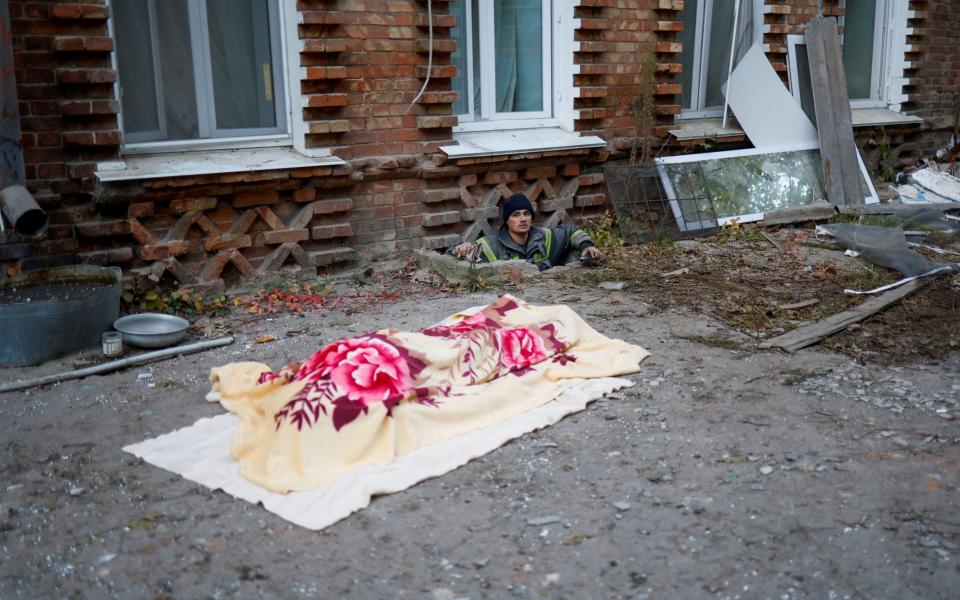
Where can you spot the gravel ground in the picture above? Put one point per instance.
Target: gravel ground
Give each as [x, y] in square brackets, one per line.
[725, 472]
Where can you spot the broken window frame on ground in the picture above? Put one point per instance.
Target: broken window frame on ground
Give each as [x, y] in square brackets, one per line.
[706, 206]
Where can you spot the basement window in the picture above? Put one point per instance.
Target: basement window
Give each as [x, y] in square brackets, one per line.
[199, 74]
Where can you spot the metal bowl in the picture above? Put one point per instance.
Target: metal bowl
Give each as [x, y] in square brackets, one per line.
[151, 330]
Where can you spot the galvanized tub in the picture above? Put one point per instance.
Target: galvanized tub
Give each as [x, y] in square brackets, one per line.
[55, 312]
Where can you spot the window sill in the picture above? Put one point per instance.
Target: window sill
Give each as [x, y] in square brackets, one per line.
[186, 164]
[207, 145]
[518, 141]
[874, 117]
[698, 129]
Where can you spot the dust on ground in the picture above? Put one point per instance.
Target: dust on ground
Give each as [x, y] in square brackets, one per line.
[724, 472]
[765, 284]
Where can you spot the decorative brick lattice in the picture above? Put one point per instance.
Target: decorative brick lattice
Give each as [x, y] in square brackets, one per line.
[555, 192]
[194, 240]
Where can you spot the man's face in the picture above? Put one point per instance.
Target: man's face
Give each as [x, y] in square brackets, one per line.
[520, 221]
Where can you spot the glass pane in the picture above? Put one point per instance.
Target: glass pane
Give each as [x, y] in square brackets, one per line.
[687, 37]
[475, 20]
[138, 91]
[243, 88]
[803, 83]
[518, 25]
[718, 55]
[176, 70]
[460, 56]
[733, 186]
[858, 34]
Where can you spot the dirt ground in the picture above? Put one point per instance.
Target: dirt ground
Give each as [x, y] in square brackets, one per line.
[725, 471]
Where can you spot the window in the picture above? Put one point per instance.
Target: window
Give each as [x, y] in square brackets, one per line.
[194, 71]
[865, 40]
[706, 37]
[503, 59]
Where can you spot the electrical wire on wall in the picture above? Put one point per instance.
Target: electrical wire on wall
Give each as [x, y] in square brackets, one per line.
[429, 55]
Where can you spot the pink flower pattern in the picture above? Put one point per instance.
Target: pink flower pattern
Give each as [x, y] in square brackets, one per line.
[353, 374]
[367, 369]
[520, 348]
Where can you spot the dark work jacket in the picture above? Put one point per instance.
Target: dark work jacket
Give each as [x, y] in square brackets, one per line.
[545, 247]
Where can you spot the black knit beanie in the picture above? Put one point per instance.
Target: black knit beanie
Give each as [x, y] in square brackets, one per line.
[517, 202]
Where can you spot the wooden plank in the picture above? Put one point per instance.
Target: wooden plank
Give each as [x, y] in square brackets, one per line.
[849, 165]
[841, 171]
[813, 333]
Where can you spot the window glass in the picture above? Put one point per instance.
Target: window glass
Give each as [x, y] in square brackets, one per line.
[501, 46]
[718, 56]
[858, 45]
[475, 54]
[138, 77]
[459, 57]
[240, 56]
[197, 69]
[688, 39]
[712, 189]
[707, 36]
[519, 55]
[175, 57]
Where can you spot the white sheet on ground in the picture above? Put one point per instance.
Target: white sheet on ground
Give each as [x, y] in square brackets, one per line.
[201, 453]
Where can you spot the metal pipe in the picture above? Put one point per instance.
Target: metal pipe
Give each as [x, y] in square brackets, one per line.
[23, 212]
[119, 364]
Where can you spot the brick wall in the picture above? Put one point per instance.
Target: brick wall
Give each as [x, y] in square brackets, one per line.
[363, 63]
[934, 80]
[934, 89]
[614, 37]
[65, 87]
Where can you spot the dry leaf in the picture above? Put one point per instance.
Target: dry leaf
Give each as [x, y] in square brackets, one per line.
[933, 485]
[263, 339]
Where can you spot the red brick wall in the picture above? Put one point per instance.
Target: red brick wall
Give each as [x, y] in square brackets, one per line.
[65, 87]
[934, 88]
[614, 36]
[364, 62]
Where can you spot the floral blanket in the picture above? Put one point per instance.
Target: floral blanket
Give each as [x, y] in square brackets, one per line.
[367, 399]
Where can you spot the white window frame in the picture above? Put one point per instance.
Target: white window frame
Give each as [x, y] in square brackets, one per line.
[291, 126]
[882, 34]
[558, 69]
[869, 194]
[701, 45]
[889, 61]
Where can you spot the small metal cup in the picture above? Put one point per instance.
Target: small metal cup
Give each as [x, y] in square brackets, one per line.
[112, 343]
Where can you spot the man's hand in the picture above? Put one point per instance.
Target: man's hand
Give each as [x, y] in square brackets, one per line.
[464, 250]
[591, 252]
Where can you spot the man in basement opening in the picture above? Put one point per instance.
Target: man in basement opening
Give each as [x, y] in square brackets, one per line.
[519, 239]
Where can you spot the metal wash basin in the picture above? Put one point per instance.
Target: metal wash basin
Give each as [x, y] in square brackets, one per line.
[51, 313]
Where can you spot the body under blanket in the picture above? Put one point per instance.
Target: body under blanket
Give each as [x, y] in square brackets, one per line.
[361, 406]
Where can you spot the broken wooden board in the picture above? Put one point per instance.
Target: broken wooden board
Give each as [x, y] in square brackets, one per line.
[813, 333]
[815, 211]
[838, 151]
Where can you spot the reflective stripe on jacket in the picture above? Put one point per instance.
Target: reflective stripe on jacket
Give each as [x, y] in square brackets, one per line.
[542, 244]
